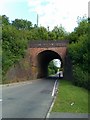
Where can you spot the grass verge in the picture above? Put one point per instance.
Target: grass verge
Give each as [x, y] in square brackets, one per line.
[71, 98]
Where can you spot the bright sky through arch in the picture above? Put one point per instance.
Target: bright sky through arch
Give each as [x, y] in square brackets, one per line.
[51, 12]
[57, 63]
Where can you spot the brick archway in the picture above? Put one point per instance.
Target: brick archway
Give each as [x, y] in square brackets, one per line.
[43, 60]
[38, 52]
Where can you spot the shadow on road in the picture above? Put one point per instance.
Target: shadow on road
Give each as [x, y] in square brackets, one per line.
[52, 77]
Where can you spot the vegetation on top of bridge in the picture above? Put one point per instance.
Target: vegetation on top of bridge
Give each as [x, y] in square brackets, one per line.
[17, 35]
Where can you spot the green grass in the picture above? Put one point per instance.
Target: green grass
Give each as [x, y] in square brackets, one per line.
[68, 94]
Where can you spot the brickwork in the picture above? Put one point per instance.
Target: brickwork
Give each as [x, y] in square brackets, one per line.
[33, 53]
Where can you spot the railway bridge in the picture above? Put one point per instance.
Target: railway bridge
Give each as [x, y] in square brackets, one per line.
[42, 52]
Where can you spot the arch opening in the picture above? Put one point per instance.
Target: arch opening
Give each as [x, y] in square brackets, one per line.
[54, 69]
[43, 60]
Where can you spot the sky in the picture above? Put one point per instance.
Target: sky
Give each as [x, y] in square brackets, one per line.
[51, 12]
[57, 63]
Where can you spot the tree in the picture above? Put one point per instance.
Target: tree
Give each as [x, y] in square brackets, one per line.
[78, 50]
[60, 33]
[38, 33]
[80, 30]
[5, 20]
[21, 24]
[52, 69]
[13, 45]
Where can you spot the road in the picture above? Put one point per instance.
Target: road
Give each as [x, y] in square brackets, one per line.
[28, 100]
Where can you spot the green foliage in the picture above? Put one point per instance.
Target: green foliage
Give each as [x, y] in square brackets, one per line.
[59, 33]
[79, 31]
[79, 52]
[38, 33]
[21, 24]
[52, 69]
[80, 77]
[5, 20]
[14, 45]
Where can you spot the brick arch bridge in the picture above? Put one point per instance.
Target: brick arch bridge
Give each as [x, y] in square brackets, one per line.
[42, 52]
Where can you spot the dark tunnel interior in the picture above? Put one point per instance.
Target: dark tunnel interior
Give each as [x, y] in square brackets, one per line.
[43, 60]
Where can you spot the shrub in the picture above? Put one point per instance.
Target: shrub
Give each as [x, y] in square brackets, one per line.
[80, 77]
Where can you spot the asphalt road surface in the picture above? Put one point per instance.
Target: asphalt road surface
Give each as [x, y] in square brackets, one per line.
[28, 100]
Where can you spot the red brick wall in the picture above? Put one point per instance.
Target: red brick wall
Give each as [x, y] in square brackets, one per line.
[33, 52]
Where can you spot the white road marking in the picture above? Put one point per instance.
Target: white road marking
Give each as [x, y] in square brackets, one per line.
[0, 100]
[53, 92]
[49, 112]
[50, 109]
